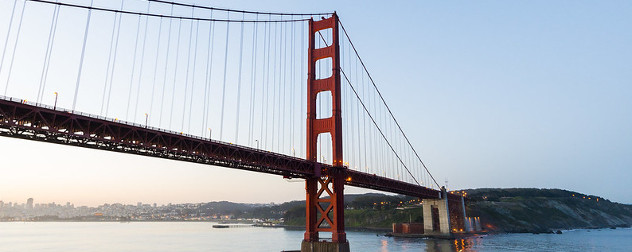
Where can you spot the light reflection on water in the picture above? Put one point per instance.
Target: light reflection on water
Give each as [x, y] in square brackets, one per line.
[200, 236]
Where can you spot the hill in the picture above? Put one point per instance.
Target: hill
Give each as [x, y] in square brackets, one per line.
[543, 210]
[501, 210]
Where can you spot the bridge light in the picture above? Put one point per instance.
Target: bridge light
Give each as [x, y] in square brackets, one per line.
[348, 178]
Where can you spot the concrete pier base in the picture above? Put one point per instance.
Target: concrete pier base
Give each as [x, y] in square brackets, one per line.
[321, 246]
[436, 217]
[436, 214]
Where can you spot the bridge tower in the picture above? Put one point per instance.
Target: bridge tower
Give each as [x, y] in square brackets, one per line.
[324, 214]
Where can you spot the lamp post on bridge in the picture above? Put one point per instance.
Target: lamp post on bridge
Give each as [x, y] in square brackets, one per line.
[146, 119]
[257, 144]
[55, 106]
[210, 131]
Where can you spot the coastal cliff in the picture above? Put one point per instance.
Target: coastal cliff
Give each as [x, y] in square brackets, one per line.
[544, 210]
[501, 210]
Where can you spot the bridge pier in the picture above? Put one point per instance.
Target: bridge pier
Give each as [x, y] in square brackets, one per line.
[436, 217]
[442, 217]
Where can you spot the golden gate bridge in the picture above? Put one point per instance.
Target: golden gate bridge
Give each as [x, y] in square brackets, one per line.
[278, 93]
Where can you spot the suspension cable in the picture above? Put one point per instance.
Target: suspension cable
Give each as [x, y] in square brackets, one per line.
[186, 78]
[153, 83]
[221, 123]
[15, 45]
[107, 69]
[208, 76]
[164, 77]
[47, 55]
[197, 35]
[142, 61]
[166, 16]
[83, 53]
[131, 79]
[242, 11]
[253, 76]
[6, 40]
[175, 72]
[241, 52]
[383, 101]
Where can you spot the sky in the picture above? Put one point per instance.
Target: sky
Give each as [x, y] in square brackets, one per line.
[490, 93]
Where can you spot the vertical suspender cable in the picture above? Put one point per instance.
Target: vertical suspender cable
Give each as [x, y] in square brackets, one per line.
[6, 39]
[221, 124]
[209, 68]
[107, 69]
[364, 136]
[274, 86]
[197, 34]
[131, 79]
[292, 94]
[47, 55]
[266, 77]
[241, 52]
[253, 76]
[83, 52]
[153, 82]
[142, 64]
[15, 45]
[164, 77]
[388, 109]
[175, 73]
[282, 85]
[359, 160]
[118, 33]
[186, 71]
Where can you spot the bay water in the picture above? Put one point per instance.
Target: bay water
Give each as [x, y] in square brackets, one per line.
[201, 236]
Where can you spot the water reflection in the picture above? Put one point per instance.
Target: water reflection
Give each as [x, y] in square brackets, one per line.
[384, 245]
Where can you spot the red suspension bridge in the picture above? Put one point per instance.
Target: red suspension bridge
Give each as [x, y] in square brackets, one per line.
[214, 86]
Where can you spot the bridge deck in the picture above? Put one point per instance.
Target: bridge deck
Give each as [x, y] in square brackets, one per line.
[25, 120]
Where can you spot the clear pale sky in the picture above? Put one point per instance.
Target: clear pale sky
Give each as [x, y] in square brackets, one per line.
[491, 94]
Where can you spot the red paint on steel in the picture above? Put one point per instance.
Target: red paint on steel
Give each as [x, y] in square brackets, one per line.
[25, 120]
[325, 206]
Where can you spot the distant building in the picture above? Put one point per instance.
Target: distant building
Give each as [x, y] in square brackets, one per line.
[1, 204]
[29, 203]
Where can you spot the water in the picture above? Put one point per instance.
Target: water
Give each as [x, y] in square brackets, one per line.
[200, 236]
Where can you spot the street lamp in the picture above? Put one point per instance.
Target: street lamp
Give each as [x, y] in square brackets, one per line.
[210, 131]
[146, 119]
[257, 144]
[55, 106]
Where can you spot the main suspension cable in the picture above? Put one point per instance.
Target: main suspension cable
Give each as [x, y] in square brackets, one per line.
[15, 46]
[166, 16]
[241, 11]
[387, 107]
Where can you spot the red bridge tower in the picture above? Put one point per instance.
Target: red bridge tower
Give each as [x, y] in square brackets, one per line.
[325, 214]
